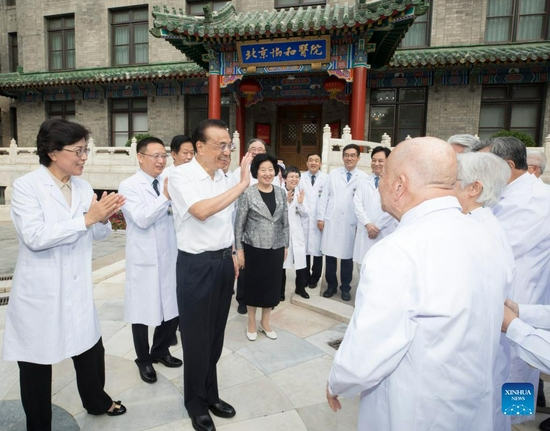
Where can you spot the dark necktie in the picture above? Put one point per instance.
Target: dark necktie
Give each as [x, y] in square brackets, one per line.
[156, 186]
[376, 181]
[313, 180]
[349, 176]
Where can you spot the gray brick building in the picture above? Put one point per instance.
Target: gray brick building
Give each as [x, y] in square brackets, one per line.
[461, 66]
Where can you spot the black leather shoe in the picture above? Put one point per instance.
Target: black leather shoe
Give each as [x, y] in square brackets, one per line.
[545, 425]
[302, 293]
[203, 423]
[312, 285]
[282, 298]
[169, 361]
[148, 374]
[346, 296]
[222, 409]
[118, 410]
[329, 293]
[241, 309]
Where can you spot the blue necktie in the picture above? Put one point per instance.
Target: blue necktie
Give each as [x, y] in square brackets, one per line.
[376, 181]
[156, 186]
[313, 180]
[348, 176]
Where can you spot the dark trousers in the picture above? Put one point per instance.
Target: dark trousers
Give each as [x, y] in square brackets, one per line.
[315, 273]
[302, 280]
[162, 338]
[346, 273]
[205, 286]
[36, 387]
[240, 288]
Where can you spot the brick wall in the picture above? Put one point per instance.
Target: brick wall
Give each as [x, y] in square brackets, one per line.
[453, 110]
[458, 22]
[165, 115]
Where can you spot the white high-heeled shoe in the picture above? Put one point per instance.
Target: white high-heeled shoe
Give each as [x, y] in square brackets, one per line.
[251, 335]
[272, 335]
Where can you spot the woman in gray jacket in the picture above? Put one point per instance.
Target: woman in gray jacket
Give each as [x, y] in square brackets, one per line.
[261, 239]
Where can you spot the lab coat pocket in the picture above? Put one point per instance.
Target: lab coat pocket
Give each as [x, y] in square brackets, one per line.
[38, 281]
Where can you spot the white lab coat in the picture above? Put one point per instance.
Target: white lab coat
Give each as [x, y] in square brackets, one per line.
[532, 345]
[524, 213]
[151, 253]
[297, 212]
[501, 369]
[423, 337]
[313, 194]
[368, 209]
[336, 209]
[51, 315]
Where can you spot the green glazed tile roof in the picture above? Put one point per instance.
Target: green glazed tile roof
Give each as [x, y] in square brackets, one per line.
[109, 75]
[473, 54]
[190, 33]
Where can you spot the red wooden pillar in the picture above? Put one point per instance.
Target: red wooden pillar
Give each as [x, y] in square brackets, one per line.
[214, 96]
[358, 99]
[240, 122]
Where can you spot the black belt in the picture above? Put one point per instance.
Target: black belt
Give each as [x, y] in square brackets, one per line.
[224, 253]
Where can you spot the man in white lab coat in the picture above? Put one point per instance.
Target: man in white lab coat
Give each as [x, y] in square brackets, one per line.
[423, 338]
[374, 224]
[481, 179]
[151, 254]
[524, 212]
[336, 219]
[313, 182]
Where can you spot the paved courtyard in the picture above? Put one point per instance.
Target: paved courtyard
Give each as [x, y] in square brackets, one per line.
[274, 385]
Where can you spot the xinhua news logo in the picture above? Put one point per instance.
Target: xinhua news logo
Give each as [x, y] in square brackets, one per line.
[518, 399]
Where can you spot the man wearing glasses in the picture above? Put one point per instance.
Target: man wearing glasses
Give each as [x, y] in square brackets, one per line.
[151, 252]
[206, 267]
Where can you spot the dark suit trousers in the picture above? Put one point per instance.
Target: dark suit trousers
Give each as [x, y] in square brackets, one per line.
[315, 273]
[36, 387]
[346, 273]
[205, 287]
[162, 338]
[240, 288]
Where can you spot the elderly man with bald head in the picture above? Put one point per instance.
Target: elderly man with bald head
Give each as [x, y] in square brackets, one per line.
[422, 341]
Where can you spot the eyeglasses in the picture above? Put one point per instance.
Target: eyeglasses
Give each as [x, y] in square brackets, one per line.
[256, 150]
[79, 151]
[222, 147]
[156, 156]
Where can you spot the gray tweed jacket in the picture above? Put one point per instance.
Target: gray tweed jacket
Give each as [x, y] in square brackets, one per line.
[254, 224]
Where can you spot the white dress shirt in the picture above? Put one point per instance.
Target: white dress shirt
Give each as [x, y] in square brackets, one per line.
[189, 184]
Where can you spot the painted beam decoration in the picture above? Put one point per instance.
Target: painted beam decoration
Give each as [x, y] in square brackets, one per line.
[284, 52]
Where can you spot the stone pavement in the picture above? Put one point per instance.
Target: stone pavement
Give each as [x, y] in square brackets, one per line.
[274, 385]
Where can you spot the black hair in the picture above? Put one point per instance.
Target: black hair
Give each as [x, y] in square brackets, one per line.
[259, 159]
[290, 169]
[55, 134]
[177, 141]
[352, 146]
[142, 144]
[199, 134]
[314, 154]
[382, 149]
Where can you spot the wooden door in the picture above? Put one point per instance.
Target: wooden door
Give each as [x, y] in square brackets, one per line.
[299, 133]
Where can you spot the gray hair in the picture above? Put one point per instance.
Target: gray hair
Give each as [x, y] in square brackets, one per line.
[251, 141]
[465, 140]
[508, 148]
[537, 158]
[490, 170]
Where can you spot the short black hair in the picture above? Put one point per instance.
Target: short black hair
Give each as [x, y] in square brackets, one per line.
[54, 134]
[509, 148]
[379, 149]
[314, 154]
[142, 144]
[352, 146]
[177, 141]
[199, 134]
[259, 159]
[290, 169]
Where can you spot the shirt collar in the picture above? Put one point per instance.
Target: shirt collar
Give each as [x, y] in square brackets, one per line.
[431, 205]
[60, 183]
